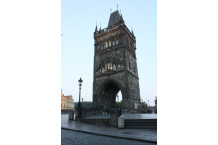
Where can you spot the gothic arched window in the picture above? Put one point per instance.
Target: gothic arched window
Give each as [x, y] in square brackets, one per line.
[114, 67]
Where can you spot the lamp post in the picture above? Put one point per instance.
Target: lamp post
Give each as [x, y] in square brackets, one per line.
[80, 81]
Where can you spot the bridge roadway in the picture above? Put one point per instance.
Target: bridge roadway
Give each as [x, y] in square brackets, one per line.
[144, 135]
[69, 137]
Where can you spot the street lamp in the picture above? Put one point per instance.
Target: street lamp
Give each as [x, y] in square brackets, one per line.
[80, 81]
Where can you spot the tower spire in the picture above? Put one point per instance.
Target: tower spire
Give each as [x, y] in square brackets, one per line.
[121, 17]
[117, 6]
[100, 27]
[132, 31]
[96, 28]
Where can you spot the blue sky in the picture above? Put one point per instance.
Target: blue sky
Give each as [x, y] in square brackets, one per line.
[78, 22]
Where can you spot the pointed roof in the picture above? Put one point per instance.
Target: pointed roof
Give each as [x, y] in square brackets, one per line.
[121, 17]
[114, 18]
[132, 33]
[96, 28]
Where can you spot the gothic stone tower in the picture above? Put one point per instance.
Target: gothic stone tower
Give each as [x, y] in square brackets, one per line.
[115, 66]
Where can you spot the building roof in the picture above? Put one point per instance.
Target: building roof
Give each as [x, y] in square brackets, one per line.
[68, 97]
[114, 18]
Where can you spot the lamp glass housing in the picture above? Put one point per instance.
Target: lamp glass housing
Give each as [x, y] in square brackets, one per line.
[80, 81]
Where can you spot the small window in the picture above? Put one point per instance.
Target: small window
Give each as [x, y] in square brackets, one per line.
[113, 43]
[116, 42]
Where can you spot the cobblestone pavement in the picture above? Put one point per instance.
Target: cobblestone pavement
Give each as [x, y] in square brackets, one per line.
[142, 134]
[78, 138]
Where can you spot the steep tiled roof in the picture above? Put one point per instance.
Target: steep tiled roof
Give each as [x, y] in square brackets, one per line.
[67, 97]
[114, 18]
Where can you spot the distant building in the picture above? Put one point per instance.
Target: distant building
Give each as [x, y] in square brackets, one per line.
[67, 102]
[155, 107]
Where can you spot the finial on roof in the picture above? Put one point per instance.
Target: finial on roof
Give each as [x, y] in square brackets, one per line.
[100, 27]
[132, 31]
[96, 28]
[117, 6]
[110, 10]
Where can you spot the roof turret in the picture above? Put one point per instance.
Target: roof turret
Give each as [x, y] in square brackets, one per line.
[96, 28]
[132, 33]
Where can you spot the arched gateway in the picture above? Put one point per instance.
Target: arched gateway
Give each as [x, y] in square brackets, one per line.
[108, 91]
[115, 66]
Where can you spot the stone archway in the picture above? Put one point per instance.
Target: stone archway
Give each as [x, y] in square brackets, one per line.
[107, 93]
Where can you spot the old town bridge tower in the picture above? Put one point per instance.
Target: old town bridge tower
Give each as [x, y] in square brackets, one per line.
[115, 66]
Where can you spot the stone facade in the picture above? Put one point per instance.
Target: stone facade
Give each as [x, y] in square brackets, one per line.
[115, 65]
